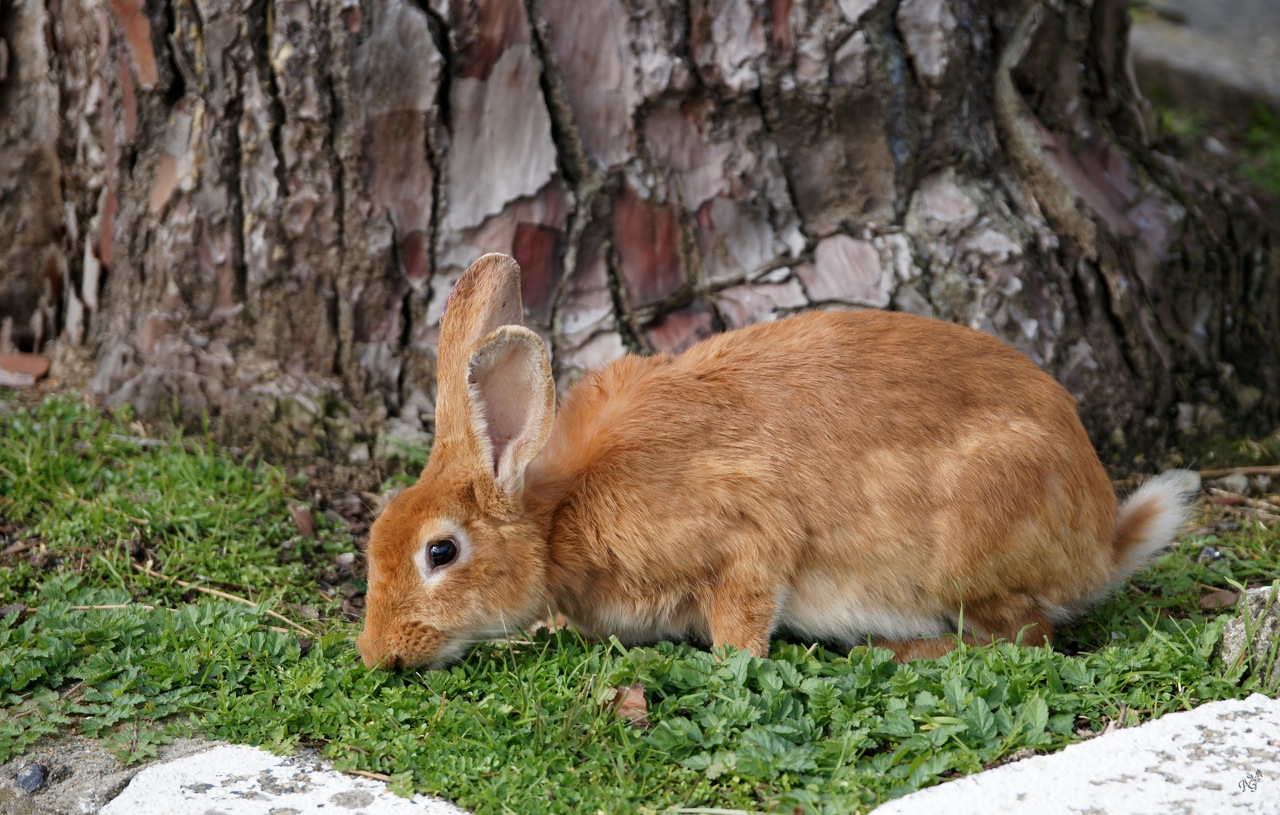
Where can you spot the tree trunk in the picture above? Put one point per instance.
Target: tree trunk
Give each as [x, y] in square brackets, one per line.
[254, 210]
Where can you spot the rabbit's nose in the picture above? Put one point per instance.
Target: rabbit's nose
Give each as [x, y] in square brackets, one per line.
[372, 651]
[389, 661]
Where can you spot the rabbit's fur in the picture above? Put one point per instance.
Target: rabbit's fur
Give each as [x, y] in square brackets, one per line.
[834, 475]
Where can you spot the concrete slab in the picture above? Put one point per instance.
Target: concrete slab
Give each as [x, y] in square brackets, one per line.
[232, 779]
[1223, 757]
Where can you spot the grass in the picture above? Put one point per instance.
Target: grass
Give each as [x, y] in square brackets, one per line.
[1249, 150]
[92, 644]
[1262, 163]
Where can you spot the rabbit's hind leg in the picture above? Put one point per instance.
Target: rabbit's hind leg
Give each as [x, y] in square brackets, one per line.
[1017, 620]
[920, 647]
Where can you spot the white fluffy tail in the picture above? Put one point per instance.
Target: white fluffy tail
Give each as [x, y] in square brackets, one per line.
[1149, 519]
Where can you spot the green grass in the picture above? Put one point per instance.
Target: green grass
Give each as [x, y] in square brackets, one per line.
[515, 727]
[1252, 148]
[1262, 161]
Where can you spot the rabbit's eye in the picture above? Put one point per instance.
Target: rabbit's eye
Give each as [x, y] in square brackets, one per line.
[442, 552]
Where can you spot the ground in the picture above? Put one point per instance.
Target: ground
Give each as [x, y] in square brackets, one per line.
[157, 586]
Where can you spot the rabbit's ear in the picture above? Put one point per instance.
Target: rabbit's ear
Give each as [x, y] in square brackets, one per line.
[486, 297]
[512, 401]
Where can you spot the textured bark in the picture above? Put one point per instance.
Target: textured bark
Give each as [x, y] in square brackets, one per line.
[30, 196]
[254, 210]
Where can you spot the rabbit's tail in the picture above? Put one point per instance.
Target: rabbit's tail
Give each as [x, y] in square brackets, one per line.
[1149, 519]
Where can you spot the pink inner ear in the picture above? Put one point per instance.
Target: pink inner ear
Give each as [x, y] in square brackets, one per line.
[505, 390]
[499, 442]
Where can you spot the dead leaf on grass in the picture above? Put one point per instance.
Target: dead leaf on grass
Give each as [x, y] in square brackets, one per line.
[20, 546]
[305, 612]
[1223, 598]
[303, 519]
[629, 703]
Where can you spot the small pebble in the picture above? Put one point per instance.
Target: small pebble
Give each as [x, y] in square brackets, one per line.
[345, 560]
[1236, 482]
[31, 779]
[1210, 553]
[1216, 147]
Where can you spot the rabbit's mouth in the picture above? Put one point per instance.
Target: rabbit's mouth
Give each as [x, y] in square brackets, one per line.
[414, 646]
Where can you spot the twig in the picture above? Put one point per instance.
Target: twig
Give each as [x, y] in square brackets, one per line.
[1261, 470]
[1242, 506]
[21, 546]
[1228, 498]
[367, 774]
[224, 595]
[141, 441]
[1240, 499]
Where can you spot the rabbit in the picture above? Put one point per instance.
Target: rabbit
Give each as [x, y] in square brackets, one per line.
[837, 476]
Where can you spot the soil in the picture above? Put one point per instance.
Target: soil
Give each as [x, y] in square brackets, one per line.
[80, 775]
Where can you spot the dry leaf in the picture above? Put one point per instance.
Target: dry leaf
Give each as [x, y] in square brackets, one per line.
[303, 519]
[15, 548]
[629, 703]
[305, 612]
[1223, 598]
[17, 608]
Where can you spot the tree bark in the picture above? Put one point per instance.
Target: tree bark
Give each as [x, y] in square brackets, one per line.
[253, 210]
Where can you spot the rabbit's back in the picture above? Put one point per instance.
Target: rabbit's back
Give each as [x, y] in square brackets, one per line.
[880, 469]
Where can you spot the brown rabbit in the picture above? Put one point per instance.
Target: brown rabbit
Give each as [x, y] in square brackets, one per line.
[837, 476]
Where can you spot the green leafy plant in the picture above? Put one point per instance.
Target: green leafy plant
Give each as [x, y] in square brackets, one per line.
[98, 642]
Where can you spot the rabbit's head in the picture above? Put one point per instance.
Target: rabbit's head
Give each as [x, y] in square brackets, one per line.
[453, 559]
